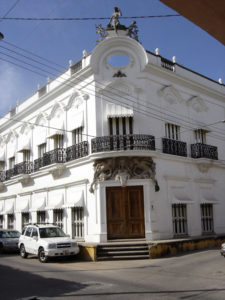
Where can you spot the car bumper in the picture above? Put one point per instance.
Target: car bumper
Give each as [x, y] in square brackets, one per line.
[62, 252]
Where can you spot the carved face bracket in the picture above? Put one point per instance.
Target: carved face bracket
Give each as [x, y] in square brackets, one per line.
[121, 169]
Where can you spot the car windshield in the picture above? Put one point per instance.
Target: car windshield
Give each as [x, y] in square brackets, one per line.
[9, 234]
[51, 232]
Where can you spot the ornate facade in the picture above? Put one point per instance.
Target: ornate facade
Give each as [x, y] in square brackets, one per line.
[110, 151]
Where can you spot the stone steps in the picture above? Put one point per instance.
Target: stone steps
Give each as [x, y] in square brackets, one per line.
[122, 251]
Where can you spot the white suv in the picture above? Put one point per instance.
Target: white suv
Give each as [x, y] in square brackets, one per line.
[46, 240]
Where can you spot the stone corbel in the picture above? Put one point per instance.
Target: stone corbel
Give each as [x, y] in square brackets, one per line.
[57, 170]
[2, 187]
[24, 179]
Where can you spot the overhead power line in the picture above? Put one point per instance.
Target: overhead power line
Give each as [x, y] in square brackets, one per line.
[11, 8]
[85, 19]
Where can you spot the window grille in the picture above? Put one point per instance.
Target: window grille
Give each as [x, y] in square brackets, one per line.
[58, 217]
[11, 162]
[78, 222]
[179, 213]
[10, 221]
[26, 155]
[58, 141]
[207, 218]
[120, 125]
[172, 131]
[25, 219]
[200, 136]
[41, 217]
[1, 221]
[41, 150]
[77, 136]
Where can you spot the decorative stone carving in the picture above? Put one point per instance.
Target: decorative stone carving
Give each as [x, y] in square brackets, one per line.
[121, 169]
[115, 26]
[171, 95]
[197, 104]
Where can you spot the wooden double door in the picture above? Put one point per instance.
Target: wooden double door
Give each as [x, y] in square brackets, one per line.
[125, 212]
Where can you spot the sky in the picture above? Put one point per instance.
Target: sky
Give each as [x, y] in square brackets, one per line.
[47, 46]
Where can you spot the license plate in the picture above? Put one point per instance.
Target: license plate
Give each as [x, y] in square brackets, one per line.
[66, 252]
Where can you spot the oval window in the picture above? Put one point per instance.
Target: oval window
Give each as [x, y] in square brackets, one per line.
[118, 60]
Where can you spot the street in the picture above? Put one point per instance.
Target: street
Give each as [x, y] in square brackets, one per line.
[197, 275]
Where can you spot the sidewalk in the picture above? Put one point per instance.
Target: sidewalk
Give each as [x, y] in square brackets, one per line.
[158, 248]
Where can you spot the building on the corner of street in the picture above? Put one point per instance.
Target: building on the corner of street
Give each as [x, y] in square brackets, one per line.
[125, 144]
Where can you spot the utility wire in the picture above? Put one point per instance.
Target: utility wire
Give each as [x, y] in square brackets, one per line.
[11, 8]
[85, 18]
[127, 104]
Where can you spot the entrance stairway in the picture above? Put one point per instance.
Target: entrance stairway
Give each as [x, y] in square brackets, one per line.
[122, 251]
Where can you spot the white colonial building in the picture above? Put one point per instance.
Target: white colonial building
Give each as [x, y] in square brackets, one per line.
[111, 151]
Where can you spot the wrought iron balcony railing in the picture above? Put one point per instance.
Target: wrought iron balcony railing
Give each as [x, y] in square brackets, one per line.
[123, 142]
[77, 151]
[38, 163]
[9, 173]
[199, 150]
[174, 147]
[167, 64]
[55, 156]
[2, 176]
[25, 167]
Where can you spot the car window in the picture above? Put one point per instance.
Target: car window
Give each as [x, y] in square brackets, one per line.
[51, 232]
[28, 231]
[34, 232]
[24, 229]
[14, 234]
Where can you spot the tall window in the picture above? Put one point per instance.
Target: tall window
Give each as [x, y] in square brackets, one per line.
[1, 221]
[120, 125]
[25, 219]
[58, 217]
[26, 155]
[172, 131]
[10, 221]
[41, 216]
[58, 141]
[200, 136]
[179, 214]
[11, 162]
[2, 165]
[207, 218]
[77, 136]
[41, 150]
[78, 222]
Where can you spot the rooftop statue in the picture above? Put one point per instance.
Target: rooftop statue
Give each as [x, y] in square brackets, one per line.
[115, 26]
[115, 19]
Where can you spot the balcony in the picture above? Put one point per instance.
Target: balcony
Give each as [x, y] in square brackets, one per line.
[55, 156]
[38, 163]
[2, 176]
[174, 147]
[200, 150]
[26, 167]
[123, 142]
[77, 151]
[167, 64]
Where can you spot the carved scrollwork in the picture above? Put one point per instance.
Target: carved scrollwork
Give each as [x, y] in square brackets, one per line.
[121, 169]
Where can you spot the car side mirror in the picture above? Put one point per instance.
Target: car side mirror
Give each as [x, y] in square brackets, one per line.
[35, 238]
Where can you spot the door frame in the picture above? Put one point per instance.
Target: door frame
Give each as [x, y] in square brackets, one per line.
[127, 219]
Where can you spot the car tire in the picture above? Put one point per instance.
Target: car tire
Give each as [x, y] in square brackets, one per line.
[41, 256]
[1, 248]
[23, 252]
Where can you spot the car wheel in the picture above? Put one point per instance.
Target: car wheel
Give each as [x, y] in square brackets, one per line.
[23, 252]
[41, 256]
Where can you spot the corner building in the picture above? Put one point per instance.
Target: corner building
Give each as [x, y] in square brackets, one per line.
[112, 151]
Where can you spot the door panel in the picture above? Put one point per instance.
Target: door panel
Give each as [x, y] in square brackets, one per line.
[125, 212]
